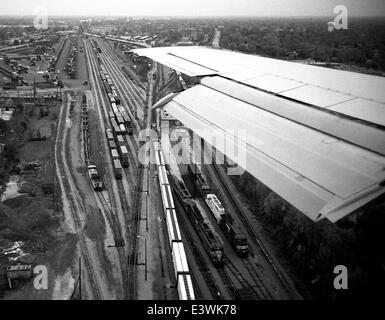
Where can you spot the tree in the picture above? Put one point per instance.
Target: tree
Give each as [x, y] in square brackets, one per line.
[10, 151]
[24, 125]
[8, 103]
[19, 107]
[3, 126]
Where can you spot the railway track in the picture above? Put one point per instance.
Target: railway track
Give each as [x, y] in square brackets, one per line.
[253, 235]
[119, 65]
[111, 217]
[125, 206]
[136, 207]
[111, 214]
[162, 90]
[200, 261]
[157, 84]
[119, 242]
[262, 289]
[132, 221]
[102, 97]
[228, 283]
[136, 216]
[125, 92]
[139, 84]
[104, 196]
[243, 282]
[64, 174]
[127, 138]
[135, 101]
[135, 95]
[134, 161]
[135, 231]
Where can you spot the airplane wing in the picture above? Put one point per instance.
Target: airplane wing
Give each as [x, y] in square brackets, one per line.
[315, 136]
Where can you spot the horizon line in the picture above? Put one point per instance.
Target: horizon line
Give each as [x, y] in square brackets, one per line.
[187, 16]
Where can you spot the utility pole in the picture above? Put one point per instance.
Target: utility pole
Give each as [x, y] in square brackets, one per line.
[80, 278]
[147, 209]
[195, 172]
[145, 259]
[34, 90]
[53, 180]
[148, 175]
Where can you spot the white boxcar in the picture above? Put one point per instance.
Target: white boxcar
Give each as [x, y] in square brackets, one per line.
[122, 128]
[124, 155]
[114, 154]
[179, 259]
[185, 287]
[161, 158]
[114, 108]
[109, 134]
[162, 173]
[157, 159]
[215, 206]
[168, 202]
[120, 140]
[173, 230]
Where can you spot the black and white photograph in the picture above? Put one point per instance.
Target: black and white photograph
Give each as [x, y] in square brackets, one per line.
[213, 151]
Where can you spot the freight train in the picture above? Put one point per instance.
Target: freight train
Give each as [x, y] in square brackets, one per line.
[119, 121]
[180, 263]
[180, 189]
[117, 166]
[198, 180]
[224, 219]
[122, 123]
[126, 119]
[210, 241]
[119, 155]
[96, 181]
[228, 225]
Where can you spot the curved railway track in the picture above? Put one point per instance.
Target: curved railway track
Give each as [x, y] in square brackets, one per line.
[136, 207]
[135, 231]
[254, 236]
[131, 104]
[262, 289]
[63, 171]
[119, 64]
[228, 283]
[111, 212]
[110, 215]
[200, 260]
[135, 95]
[243, 282]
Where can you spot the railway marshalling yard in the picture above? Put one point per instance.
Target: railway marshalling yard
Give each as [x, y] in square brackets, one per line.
[122, 232]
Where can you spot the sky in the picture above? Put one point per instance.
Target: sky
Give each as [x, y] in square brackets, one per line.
[193, 7]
